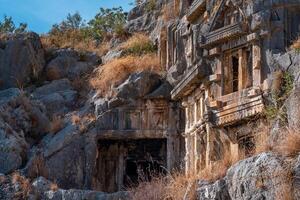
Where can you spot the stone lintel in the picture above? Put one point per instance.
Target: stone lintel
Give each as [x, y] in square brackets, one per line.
[193, 78]
[214, 52]
[131, 134]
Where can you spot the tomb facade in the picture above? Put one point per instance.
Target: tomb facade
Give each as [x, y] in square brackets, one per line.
[220, 51]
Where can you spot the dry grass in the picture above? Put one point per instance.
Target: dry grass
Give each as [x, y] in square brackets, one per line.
[153, 190]
[138, 44]
[75, 119]
[74, 39]
[57, 124]
[115, 72]
[290, 145]
[82, 121]
[24, 184]
[53, 187]
[296, 45]
[178, 186]
[181, 186]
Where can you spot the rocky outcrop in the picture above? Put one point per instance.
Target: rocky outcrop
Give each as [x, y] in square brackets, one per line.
[142, 85]
[67, 63]
[22, 123]
[21, 59]
[58, 96]
[260, 177]
[18, 187]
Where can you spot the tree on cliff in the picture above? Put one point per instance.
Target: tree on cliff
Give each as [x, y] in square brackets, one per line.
[7, 25]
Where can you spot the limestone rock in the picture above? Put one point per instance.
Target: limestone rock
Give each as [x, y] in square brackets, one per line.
[296, 181]
[58, 96]
[21, 60]
[111, 55]
[215, 191]
[22, 122]
[18, 187]
[138, 85]
[257, 177]
[293, 108]
[71, 64]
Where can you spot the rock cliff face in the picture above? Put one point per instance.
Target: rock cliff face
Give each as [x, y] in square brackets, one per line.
[22, 60]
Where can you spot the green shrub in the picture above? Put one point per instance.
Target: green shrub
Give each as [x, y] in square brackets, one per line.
[150, 6]
[138, 44]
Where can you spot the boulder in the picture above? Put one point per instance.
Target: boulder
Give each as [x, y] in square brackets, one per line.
[71, 64]
[296, 180]
[43, 189]
[264, 176]
[58, 96]
[23, 122]
[138, 85]
[215, 191]
[21, 60]
[260, 177]
[67, 157]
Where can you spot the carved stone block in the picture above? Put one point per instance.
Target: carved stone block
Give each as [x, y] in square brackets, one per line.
[215, 78]
[215, 104]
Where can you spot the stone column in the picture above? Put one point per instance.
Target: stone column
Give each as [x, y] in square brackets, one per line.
[209, 145]
[242, 69]
[256, 51]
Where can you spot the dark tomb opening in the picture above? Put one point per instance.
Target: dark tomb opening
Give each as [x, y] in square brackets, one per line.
[235, 74]
[123, 163]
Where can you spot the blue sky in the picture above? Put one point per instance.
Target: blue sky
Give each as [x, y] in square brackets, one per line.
[41, 14]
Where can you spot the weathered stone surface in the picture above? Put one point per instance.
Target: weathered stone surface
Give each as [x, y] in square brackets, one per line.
[296, 181]
[138, 85]
[292, 106]
[58, 96]
[215, 191]
[257, 177]
[264, 176]
[71, 64]
[111, 55]
[21, 60]
[18, 187]
[22, 121]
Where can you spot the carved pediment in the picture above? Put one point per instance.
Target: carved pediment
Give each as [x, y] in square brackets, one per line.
[226, 23]
[227, 15]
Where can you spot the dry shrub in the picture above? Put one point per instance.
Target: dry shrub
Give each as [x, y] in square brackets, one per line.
[290, 145]
[74, 39]
[150, 190]
[296, 45]
[118, 70]
[24, 184]
[138, 44]
[178, 186]
[169, 12]
[181, 186]
[75, 119]
[53, 187]
[218, 169]
[57, 124]
[262, 141]
[82, 121]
